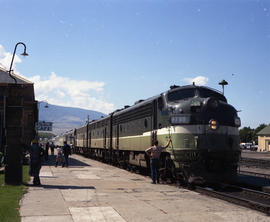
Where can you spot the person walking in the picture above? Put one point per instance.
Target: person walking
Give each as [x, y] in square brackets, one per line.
[154, 153]
[36, 153]
[66, 152]
[59, 156]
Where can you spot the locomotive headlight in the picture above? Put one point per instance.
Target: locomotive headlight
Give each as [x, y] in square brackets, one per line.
[180, 119]
[213, 124]
[237, 121]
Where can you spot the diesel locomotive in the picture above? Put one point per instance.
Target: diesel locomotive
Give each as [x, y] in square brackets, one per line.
[201, 124]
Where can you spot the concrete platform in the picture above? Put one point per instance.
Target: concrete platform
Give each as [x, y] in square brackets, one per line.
[92, 191]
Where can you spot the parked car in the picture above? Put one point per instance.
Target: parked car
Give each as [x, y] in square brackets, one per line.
[254, 147]
[245, 145]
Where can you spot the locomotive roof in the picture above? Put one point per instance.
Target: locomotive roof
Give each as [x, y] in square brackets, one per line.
[141, 103]
[173, 88]
[6, 79]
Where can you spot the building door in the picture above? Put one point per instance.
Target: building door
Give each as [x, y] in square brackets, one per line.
[267, 145]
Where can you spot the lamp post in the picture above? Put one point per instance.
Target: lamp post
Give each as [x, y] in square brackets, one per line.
[14, 125]
[41, 124]
[46, 106]
[223, 83]
[23, 54]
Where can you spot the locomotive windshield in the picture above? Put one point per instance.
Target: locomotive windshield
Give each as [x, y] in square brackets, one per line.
[205, 93]
[201, 92]
[181, 94]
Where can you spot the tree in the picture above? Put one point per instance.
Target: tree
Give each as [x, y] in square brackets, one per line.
[45, 135]
[246, 135]
[260, 127]
[249, 135]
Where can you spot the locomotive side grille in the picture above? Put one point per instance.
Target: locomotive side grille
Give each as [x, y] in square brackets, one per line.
[134, 114]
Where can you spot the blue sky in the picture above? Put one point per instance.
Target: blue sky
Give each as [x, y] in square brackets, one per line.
[104, 54]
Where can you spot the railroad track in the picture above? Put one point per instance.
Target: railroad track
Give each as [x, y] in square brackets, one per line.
[252, 162]
[253, 199]
[250, 173]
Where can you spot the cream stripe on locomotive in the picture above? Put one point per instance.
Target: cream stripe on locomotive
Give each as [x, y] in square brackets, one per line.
[199, 129]
[180, 135]
[191, 129]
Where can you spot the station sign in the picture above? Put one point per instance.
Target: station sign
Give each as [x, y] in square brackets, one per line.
[44, 126]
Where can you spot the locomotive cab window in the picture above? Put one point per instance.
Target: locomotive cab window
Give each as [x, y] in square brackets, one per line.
[181, 94]
[205, 93]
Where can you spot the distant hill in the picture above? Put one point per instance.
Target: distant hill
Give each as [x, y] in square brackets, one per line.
[65, 118]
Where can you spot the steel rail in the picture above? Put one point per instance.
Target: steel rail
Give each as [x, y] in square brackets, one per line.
[256, 200]
[255, 162]
[266, 176]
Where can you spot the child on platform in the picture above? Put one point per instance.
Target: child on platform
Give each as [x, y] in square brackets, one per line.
[58, 156]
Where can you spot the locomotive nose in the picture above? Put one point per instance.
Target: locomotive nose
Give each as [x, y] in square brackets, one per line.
[211, 103]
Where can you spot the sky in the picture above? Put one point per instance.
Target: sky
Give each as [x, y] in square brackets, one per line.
[105, 54]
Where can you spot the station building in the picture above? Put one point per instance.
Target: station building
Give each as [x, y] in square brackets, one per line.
[18, 115]
[264, 139]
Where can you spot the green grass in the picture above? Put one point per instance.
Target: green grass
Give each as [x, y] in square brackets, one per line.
[10, 196]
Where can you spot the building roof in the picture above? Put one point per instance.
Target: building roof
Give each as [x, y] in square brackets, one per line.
[6, 79]
[265, 131]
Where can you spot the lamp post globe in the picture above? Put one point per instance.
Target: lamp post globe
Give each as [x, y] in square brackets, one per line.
[223, 83]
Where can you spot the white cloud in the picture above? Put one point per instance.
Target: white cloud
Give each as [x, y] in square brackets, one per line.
[5, 60]
[61, 90]
[64, 91]
[199, 80]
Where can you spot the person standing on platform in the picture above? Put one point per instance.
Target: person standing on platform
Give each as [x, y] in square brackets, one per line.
[46, 151]
[59, 156]
[52, 148]
[36, 153]
[67, 152]
[154, 153]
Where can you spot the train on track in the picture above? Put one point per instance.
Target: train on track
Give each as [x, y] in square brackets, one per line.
[201, 124]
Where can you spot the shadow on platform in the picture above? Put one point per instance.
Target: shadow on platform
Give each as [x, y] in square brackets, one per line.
[72, 162]
[63, 187]
[253, 181]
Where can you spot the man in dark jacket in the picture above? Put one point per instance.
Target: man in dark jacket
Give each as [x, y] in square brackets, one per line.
[67, 152]
[36, 153]
[46, 154]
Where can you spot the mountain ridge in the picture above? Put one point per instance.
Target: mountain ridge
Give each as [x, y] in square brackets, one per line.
[65, 118]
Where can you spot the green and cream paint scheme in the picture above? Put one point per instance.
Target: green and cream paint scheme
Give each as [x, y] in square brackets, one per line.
[202, 126]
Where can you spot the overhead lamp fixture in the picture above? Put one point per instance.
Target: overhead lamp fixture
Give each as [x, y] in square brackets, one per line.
[223, 83]
[23, 54]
